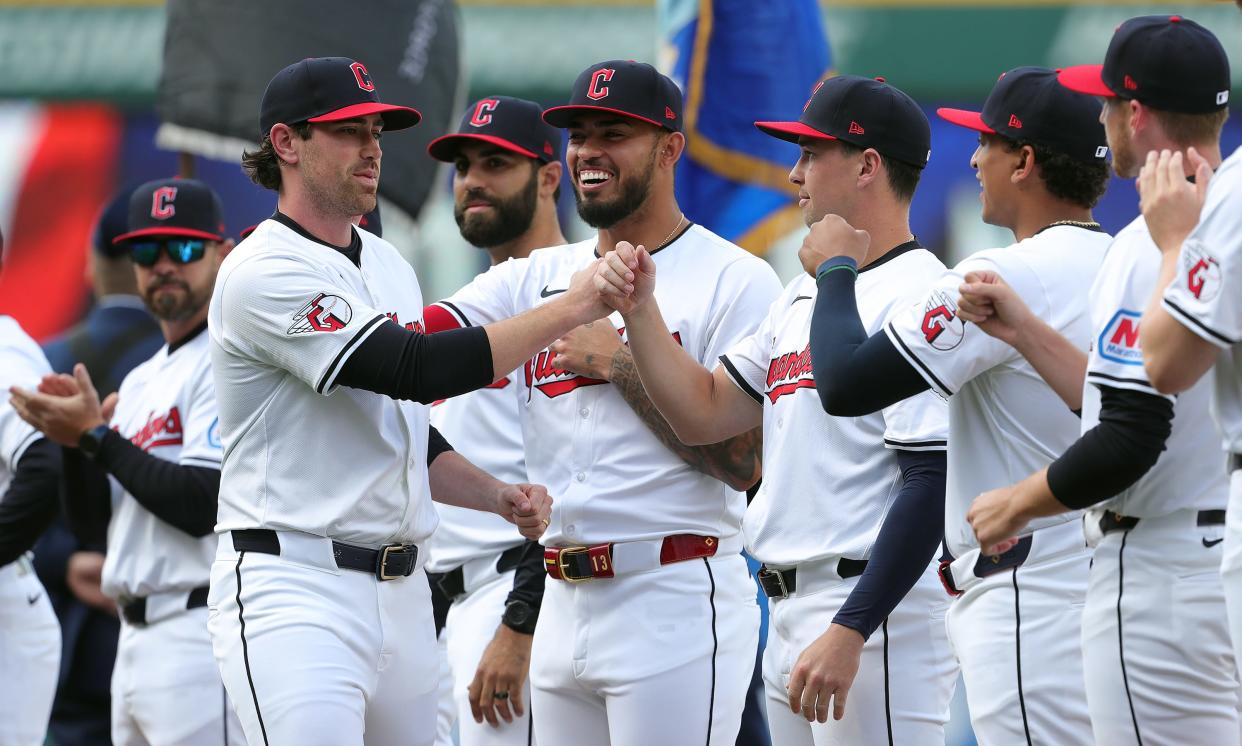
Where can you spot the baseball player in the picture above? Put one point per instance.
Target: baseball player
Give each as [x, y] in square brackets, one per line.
[648, 628]
[145, 463]
[1012, 625]
[832, 573]
[506, 178]
[29, 479]
[320, 611]
[1155, 642]
[1191, 324]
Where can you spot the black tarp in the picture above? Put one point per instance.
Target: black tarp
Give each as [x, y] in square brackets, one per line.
[219, 55]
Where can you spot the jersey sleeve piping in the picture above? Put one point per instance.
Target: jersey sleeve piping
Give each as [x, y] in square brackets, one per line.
[1195, 325]
[17, 453]
[739, 381]
[1119, 382]
[329, 376]
[916, 445]
[457, 312]
[913, 359]
[202, 461]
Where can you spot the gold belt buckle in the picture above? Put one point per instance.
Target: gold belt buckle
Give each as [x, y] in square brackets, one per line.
[560, 563]
[383, 561]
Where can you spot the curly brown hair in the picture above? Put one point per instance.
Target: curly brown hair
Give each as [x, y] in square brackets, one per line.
[263, 165]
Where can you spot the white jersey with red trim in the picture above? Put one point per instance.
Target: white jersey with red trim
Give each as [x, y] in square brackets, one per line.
[829, 481]
[167, 407]
[1189, 473]
[23, 364]
[299, 453]
[484, 426]
[1004, 421]
[1206, 295]
[610, 477]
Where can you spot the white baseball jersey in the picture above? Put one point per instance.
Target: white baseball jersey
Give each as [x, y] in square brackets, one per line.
[1004, 421]
[1205, 295]
[1188, 473]
[23, 364]
[167, 407]
[299, 454]
[829, 481]
[610, 477]
[485, 427]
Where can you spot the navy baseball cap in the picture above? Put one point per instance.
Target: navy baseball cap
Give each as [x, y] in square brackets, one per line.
[511, 123]
[327, 89]
[1027, 103]
[174, 207]
[112, 222]
[866, 113]
[1169, 63]
[632, 89]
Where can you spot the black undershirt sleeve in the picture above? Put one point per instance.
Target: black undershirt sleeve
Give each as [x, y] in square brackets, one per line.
[436, 445]
[29, 504]
[854, 374]
[404, 364]
[529, 577]
[86, 498]
[184, 496]
[907, 541]
[1117, 452]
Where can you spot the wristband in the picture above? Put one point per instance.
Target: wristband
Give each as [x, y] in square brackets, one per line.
[835, 263]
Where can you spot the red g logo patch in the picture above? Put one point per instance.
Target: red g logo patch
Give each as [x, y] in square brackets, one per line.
[362, 76]
[596, 91]
[324, 313]
[941, 326]
[1203, 276]
[482, 112]
[162, 207]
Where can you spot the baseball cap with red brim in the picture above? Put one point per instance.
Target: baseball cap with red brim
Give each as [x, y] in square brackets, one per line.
[185, 208]
[327, 89]
[1169, 63]
[513, 124]
[865, 112]
[1028, 104]
[632, 89]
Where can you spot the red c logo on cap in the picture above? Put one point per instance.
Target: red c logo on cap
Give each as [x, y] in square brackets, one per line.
[162, 207]
[595, 91]
[481, 115]
[362, 76]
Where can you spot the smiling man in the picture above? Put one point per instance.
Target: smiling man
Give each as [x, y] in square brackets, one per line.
[649, 624]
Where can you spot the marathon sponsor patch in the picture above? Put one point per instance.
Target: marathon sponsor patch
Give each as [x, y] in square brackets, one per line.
[941, 327]
[788, 373]
[1201, 270]
[1119, 342]
[323, 313]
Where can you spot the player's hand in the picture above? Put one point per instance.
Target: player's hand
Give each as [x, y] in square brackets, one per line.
[62, 419]
[588, 349]
[527, 506]
[582, 300]
[829, 237]
[503, 668]
[1170, 204]
[824, 673]
[989, 303]
[996, 520]
[626, 277]
[83, 575]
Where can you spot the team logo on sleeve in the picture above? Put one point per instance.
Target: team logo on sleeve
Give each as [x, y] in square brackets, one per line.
[324, 313]
[1119, 342]
[213, 434]
[790, 372]
[941, 326]
[1202, 270]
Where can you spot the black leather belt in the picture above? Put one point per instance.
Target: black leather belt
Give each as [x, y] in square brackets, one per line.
[1235, 461]
[1111, 521]
[453, 583]
[781, 583]
[135, 611]
[987, 564]
[389, 562]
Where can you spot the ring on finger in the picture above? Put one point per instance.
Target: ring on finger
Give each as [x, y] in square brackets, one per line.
[500, 695]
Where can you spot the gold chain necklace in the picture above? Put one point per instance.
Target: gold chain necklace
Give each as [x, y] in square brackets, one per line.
[681, 219]
[1088, 224]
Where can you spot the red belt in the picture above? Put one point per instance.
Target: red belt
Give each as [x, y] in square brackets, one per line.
[575, 564]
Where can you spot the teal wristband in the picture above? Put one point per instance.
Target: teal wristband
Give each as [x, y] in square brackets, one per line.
[837, 262]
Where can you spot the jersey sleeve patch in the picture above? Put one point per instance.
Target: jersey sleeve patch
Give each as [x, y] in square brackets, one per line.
[323, 313]
[942, 328]
[1119, 341]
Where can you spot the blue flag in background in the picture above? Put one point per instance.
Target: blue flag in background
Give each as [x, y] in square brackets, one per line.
[738, 61]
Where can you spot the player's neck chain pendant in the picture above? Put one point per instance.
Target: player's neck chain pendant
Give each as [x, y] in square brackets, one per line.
[1090, 225]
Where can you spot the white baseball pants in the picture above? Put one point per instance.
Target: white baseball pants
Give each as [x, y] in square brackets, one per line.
[29, 655]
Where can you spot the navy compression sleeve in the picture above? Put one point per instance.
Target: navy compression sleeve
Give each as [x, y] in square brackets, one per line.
[907, 541]
[30, 502]
[854, 374]
[404, 364]
[186, 497]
